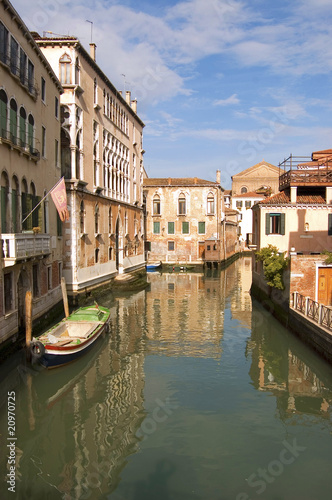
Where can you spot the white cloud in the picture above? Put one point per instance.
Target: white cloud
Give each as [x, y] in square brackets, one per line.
[233, 99]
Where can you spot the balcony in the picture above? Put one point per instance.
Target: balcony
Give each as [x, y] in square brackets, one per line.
[302, 171]
[6, 137]
[24, 246]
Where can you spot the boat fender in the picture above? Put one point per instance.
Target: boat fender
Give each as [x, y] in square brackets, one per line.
[37, 349]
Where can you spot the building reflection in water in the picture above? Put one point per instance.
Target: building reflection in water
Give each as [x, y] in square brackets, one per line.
[279, 366]
[188, 320]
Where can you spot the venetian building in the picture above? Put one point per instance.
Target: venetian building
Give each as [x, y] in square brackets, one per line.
[102, 162]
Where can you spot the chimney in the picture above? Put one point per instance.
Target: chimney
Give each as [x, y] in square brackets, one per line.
[93, 47]
[218, 177]
[134, 105]
[128, 97]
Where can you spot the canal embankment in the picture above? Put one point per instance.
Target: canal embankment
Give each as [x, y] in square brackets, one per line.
[309, 320]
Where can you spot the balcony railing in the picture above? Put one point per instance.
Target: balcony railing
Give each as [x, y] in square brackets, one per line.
[322, 315]
[23, 246]
[303, 171]
[12, 140]
[27, 82]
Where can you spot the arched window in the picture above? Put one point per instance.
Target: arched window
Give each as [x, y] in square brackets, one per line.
[23, 127]
[182, 209]
[156, 205]
[210, 204]
[4, 203]
[97, 219]
[15, 205]
[95, 89]
[31, 126]
[77, 71]
[3, 113]
[82, 217]
[65, 69]
[13, 121]
[110, 221]
[244, 190]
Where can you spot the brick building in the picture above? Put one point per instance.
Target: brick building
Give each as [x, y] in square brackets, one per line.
[102, 162]
[181, 215]
[298, 221]
[31, 246]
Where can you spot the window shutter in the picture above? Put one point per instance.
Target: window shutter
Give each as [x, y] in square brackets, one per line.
[14, 212]
[282, 223]
[330, 225]
[267, 223]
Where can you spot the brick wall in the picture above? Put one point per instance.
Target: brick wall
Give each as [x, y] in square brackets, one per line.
[303, 274]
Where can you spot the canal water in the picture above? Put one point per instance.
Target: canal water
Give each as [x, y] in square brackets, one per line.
[196, 393]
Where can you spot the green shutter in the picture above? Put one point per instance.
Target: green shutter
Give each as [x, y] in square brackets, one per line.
[282, 223]
[3, 209]
[185, 227]
[156, 227]
[330, 225]
[171, 228]
[267, 223]
[14, 210]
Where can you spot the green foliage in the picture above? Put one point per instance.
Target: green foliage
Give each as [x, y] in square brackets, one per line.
[328, 259]
[274, 264]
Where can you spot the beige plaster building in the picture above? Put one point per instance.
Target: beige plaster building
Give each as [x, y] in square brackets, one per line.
[181, 215]
[249, 187]
[102, 162]
[31, 247]
[298, 221]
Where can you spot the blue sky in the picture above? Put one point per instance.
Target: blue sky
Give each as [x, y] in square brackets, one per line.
[221, 84]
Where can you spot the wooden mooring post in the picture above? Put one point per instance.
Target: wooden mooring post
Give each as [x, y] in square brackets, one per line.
[64, 296]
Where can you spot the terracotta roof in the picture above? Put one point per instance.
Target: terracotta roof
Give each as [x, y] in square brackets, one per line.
[251, 194]
[283, 199]
[183, 181]
[227, 192]
[230, 211]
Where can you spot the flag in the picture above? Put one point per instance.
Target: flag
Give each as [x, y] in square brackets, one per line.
[59, 196]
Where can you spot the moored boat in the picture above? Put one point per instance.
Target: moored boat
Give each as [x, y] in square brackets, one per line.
[72, 337]
[153, 267]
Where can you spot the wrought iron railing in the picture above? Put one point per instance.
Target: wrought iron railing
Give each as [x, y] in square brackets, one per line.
[319, 313]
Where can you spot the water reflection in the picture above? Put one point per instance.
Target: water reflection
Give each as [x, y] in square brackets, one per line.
[101, 427]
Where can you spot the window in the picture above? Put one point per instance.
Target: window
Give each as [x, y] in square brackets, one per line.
[182, 205]
[65, 67]
[201, 228]
[3, 43]
[56, 152]
[96, 255]
[82, 213]
[77, 72]
[43, 89]
[210, 204]
[248, 204]
[239, 204]
[13, 121]
[97, 219]
[185, 227]
[13, 56]
[156, 205]
[31, 76]
[56, 107]
[156, 228]
[49, 278]
[171, 246]
[95, 89]
[58, 225]
[275, 224]
[3, 113]
[170, 228]
[244, 190]
[31, 126]
[35, 281]
[22, 127]
[330, 224]
[23, 66]
[8, 291]
[43, 142]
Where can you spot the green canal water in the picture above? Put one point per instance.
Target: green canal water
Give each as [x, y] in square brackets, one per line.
[196, 393]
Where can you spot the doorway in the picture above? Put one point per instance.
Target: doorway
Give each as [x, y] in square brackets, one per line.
[325, 285]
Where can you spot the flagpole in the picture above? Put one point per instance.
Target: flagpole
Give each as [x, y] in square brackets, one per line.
[41, 201]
